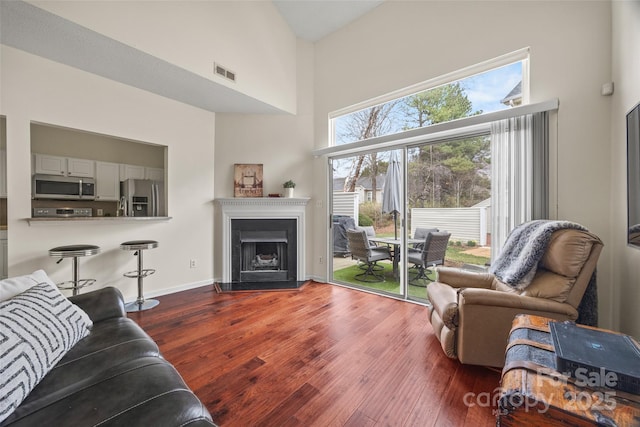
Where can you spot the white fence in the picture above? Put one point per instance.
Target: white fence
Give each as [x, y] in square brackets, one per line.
[346, 204]
[464, 224]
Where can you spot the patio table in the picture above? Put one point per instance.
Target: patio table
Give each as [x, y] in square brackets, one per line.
[396, 250]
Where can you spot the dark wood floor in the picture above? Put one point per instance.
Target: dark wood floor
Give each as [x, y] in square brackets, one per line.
[322, 356]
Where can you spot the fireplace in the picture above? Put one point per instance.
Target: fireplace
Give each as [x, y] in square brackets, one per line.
[262, 239]
[263, 250]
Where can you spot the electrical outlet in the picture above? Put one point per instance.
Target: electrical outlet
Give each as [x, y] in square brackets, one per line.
[318, 203]
[100, 212]
[193, 263]
[320, 260]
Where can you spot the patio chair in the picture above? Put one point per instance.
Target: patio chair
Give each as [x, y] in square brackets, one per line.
[421, 233]
[369, 255]
[371, 233]
[432, 254]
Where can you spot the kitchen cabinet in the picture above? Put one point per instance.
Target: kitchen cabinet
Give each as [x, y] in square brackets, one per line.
[156, 174]
[107, 181]
[65, 166]
[131, 172]
[50, 165]
[81, 168]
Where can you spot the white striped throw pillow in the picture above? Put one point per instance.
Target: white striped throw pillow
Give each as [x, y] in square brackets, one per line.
[37, 328]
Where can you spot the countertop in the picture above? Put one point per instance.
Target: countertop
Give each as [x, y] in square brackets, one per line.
[103, 219]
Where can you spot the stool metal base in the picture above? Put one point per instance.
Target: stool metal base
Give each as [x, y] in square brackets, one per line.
[135, 306]
[140, 304]
[135, 274]
[75, 286]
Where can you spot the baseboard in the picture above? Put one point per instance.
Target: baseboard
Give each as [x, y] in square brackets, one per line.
[193, 285]
[173, 290]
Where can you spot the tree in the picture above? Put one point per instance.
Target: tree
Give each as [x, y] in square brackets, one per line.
[365, 124]
[461, 169]
[442, 175]
[442, 172]
[464, 159]
[437, 105]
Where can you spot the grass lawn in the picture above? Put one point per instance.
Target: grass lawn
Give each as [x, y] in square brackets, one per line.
[455, 256]
[390, 285]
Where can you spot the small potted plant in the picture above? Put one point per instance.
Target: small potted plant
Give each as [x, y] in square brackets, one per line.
[288, 188]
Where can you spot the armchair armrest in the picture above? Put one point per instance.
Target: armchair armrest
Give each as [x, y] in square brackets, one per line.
[459, 278]
[444, 301]
[493, 298]
[485, 319]
[101, 304]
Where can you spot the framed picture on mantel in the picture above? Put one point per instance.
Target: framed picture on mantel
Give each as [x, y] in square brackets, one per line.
[247, 180]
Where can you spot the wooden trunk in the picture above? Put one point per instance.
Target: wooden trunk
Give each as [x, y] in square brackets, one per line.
[534, 393]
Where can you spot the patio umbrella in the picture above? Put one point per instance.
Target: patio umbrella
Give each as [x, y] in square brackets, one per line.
[392, 190]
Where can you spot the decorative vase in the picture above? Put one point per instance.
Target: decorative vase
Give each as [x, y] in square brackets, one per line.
[288, 192]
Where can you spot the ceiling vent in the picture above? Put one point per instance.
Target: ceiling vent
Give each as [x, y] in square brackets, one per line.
[221, 71]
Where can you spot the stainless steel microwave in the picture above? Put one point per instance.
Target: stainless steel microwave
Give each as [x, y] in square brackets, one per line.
[63, 187]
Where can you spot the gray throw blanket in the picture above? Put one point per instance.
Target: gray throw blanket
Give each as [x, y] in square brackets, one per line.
[517, 263]
[518, 260]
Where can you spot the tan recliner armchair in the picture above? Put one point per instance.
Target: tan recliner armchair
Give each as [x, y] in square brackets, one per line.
[471, 313]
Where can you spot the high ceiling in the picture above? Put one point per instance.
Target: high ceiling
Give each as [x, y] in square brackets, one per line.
[312, 20]
[29, 28]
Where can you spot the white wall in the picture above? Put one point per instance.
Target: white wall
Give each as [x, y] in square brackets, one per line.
[72, 98]
[282, 143]
[626, 69]
[248, 37]
[401, 43]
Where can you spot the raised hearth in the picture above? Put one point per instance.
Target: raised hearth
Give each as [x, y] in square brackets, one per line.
[263, 239]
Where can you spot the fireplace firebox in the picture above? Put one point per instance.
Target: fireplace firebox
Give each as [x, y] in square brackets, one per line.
[263, 250]
[256, 214]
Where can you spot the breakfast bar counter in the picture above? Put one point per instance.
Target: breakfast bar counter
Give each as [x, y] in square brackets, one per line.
[103, 219]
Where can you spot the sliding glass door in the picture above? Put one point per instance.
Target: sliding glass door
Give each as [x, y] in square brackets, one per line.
[449, 196]
[424, 205]
[368, 196]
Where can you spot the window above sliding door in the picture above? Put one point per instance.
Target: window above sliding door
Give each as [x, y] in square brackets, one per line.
[492, 86]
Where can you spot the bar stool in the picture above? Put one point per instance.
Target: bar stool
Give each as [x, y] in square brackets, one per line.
[140, 303]
[74, 251]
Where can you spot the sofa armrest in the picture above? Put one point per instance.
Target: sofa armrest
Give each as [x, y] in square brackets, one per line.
[459, 278]
[493, 298]
[101, 304]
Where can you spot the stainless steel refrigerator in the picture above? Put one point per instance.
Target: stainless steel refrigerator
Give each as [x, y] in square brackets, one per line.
[143, 197]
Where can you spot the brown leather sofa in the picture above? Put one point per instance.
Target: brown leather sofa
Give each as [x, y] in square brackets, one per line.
[471, 312]
[114, 376]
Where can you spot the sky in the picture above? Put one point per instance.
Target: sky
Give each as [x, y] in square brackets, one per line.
[486, 90]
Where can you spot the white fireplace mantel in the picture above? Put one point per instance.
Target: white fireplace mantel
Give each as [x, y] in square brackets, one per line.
[262, 208]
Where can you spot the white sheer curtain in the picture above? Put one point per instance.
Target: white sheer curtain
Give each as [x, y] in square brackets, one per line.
[512, 173]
